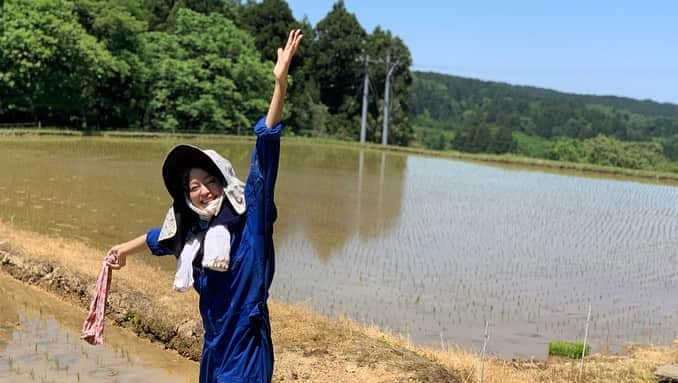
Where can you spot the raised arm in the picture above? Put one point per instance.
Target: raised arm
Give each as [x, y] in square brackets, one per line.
[280, 70]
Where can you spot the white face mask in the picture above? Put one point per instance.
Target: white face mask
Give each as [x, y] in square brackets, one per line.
[213, 207]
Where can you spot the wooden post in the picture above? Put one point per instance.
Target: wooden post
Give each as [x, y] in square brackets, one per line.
[586, 335]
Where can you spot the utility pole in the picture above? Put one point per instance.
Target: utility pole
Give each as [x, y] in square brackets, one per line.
[390, 67]
[389, 72]
[363, 122]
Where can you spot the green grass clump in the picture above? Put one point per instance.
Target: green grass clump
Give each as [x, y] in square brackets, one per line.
[568, 349]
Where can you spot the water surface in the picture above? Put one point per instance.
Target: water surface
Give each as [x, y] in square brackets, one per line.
[39, 342]
[429, 248]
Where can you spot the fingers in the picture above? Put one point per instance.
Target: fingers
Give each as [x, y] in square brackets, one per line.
[119, 261]
[290, 39]
[118, 265]
[297, 40]
[293, 40]
[297, 37]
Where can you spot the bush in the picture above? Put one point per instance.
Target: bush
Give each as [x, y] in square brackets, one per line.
[568, 349]
[431, 138]
[533, 146]
[607, 151]
[568, 149]
[670, 148]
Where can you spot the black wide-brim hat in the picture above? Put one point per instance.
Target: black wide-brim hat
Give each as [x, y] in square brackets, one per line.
[184, 157]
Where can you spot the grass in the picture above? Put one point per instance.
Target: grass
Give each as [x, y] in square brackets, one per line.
[39, 132]
[568, 349]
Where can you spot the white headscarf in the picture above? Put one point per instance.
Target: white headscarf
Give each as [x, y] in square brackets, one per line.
[216, 240]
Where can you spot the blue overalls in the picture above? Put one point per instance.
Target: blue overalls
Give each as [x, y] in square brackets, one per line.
[238, 347]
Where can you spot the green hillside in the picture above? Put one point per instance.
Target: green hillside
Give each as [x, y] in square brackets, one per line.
[470, 115]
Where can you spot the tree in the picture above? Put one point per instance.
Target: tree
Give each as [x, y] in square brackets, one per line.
[608, 151]
[473, 137]
[158, 13]
[568, 149]
[380, 44]
[269, 23]
[120, 96]
[49, 65]
[163, 13]
[670, 148]
[502, 141]
[336, 53]
[205, 75]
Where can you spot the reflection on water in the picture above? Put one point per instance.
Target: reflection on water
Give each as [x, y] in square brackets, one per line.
[329, 196]
[104, 191]
[39, 342]
[430, 248]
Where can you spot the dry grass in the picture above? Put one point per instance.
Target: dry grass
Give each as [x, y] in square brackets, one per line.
[84, 260]
[312, 348]
[636, 365]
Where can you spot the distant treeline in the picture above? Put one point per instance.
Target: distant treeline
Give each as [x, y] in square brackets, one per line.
[470, 115]
[198, 65]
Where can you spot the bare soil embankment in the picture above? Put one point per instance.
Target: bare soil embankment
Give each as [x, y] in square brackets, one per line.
[309, 347]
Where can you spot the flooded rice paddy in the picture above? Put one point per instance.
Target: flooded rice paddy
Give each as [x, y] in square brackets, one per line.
[39, 342]
[428, 248]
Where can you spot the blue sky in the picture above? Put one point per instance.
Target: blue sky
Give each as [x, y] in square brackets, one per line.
[624, 48]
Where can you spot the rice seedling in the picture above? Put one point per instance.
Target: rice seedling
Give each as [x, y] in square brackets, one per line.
[417, 263]
[568, 349]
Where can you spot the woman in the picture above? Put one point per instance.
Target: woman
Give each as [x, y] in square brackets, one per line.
[221, 231]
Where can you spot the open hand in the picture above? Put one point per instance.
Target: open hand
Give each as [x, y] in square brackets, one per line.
[285, 55]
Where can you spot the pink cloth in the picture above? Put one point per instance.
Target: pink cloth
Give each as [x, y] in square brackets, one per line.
[93, 328]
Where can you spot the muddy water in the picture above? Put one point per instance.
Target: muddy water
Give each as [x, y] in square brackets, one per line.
[429, 248]
[39, 342]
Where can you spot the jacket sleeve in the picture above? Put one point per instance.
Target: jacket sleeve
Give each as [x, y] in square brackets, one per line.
[268, 148]
[154, 245]
[265, 160]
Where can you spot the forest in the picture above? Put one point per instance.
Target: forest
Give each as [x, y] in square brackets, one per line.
[469, 115]
[206, 66]
[192, 65]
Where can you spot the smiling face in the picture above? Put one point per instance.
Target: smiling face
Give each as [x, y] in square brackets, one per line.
[202, 187]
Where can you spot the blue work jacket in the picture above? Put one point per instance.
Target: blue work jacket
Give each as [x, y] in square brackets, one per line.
[238, 347]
